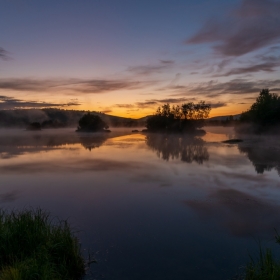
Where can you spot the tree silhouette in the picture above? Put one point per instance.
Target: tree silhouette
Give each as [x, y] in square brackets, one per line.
[185, 118]
[265, 112]
[91, 123]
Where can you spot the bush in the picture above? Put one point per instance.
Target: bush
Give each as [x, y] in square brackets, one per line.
[91, 123]
[265, 268]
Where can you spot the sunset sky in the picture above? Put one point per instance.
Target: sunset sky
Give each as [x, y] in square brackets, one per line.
[127, 57]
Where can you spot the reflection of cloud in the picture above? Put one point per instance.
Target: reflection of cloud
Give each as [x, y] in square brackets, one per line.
[255, 24]
[7, 103]
[60, 166]
[242, 214]
[8, 196]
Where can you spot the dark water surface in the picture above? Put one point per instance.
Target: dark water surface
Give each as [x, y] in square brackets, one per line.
[150, 206]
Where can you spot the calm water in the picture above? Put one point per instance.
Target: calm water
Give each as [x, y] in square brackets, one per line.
[150, 206]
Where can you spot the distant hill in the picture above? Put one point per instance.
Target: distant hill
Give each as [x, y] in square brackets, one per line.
[55, 118]
[223, 118]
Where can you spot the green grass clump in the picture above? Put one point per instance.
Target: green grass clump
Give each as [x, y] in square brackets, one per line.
[266, 268]
[35, 247]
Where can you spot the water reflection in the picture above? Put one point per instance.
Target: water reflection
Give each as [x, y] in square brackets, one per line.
[17, 142]
[90, 143]
[9, 196]
[241, 213]
[264, 155]
[187, 149]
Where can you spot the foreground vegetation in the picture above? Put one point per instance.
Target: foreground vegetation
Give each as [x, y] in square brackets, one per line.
[35, 246]
[265, 268]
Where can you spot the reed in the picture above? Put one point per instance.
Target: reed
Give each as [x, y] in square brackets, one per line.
[35, 246]
[265, 268]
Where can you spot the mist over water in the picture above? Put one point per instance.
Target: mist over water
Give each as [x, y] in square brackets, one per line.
[150, 206]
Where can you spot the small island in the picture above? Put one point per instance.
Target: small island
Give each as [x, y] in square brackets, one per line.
[187, 118]
[34, 126]
[92, 123]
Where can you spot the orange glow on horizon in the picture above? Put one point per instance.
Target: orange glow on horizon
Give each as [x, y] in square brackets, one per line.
[124, 113]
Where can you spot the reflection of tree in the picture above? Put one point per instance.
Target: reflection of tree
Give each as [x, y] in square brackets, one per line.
[92, 142]
[262, 156]
[187, 149]
[13, 144]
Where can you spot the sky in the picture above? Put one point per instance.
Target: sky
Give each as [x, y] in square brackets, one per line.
[128, 57]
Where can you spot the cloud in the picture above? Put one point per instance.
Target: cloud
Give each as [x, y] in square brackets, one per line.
[146, 70]
[127, 106]
[106, 111]
[7, 103]
[253, 25]
[266, 67]
[102, 86]
[218, 104]
[3, 54]
[235, 86]
[96, 86]
[151, 103]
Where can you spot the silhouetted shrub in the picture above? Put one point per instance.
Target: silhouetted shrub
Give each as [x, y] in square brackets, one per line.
[91, 123]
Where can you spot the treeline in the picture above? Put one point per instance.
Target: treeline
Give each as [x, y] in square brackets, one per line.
[57, 118]
[185, 118]
[264, 114]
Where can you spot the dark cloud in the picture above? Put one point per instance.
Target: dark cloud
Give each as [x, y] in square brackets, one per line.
[13, 103]
[151, 103]
[266, 67]
[102, 86]
[124, 106]
[3, 54]
[253, 25]
[76, 85]
[218, 104]
[151, 69]
[235, 86]
[106, 111]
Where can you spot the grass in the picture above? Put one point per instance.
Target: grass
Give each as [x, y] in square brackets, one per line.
[266, 268]
[33, 246]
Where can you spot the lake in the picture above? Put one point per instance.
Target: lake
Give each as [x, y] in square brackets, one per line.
[150, 206]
